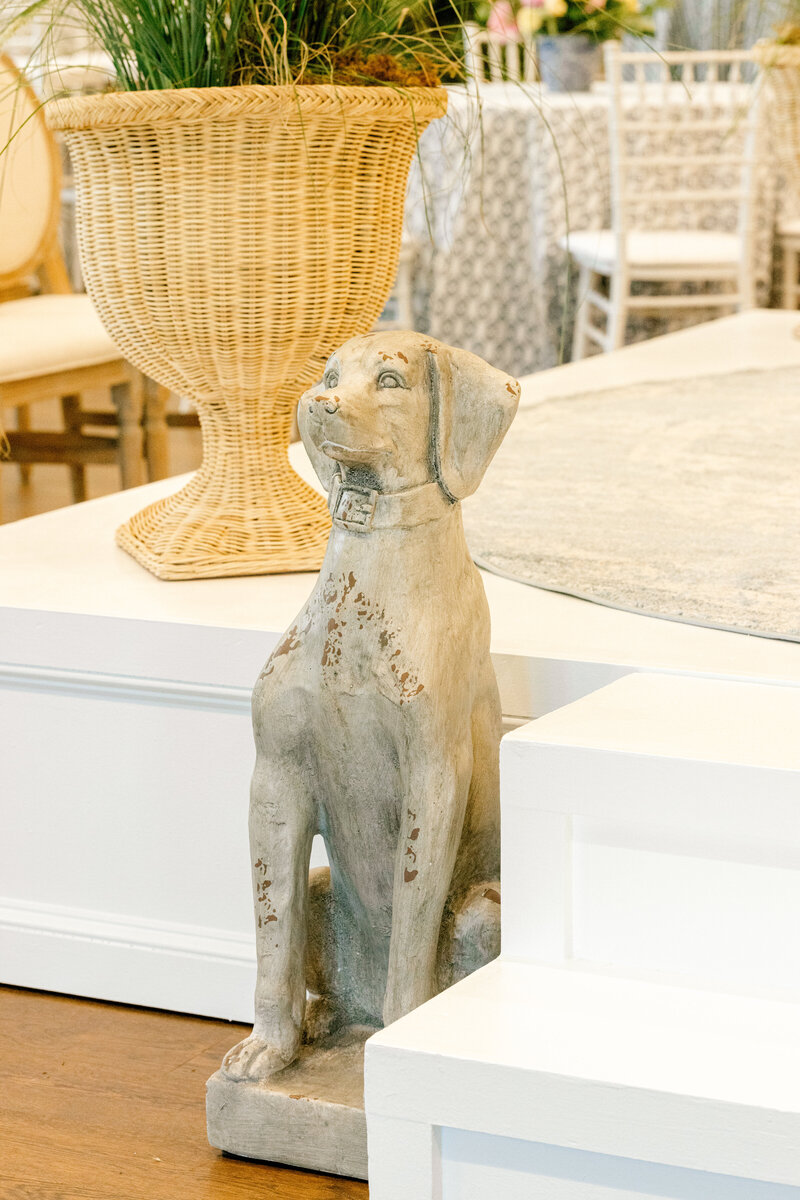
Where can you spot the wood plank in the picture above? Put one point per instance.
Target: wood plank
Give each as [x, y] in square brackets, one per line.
[104, 1102]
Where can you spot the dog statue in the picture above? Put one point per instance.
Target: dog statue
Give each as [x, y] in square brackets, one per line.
[377, 717]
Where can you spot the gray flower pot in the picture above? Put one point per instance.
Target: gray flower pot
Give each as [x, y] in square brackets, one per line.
[568, 62]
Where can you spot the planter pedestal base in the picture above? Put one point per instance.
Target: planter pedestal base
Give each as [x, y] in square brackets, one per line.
[309, 1115]
[276, 523]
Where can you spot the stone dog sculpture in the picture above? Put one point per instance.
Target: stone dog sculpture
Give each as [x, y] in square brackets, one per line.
[377, 717]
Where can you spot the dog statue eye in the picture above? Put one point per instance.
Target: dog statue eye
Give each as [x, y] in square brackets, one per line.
[390, 379]
[330, 378]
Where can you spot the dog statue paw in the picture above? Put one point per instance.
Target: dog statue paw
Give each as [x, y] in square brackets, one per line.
[256, 1058]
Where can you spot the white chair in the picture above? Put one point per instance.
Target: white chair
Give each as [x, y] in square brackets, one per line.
[54, 345]
[683, 136]
[56, 51]
[492, 59]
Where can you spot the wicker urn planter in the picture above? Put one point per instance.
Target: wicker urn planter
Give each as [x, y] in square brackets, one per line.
[230, 239]
[781, 65]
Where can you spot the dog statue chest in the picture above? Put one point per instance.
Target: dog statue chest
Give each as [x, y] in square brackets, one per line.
[347, 640]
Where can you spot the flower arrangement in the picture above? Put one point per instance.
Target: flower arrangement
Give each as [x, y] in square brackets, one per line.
[518, 20]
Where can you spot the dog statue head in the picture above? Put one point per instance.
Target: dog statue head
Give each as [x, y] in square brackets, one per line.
[396, 410]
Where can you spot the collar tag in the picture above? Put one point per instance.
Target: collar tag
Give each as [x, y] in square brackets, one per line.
[354, 508]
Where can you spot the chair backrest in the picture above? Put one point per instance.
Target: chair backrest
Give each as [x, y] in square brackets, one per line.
[490, 58]
[683, 129]
[30, 180]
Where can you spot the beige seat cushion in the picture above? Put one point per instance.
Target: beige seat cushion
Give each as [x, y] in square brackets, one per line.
[790, 228]
[44, 334]
[596, 249]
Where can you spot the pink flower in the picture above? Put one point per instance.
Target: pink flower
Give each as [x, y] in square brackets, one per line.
[501, 21]
[594, 5]
[535, 3]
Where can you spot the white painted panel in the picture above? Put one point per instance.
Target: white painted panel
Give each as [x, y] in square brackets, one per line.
[479, 1166]
[537, 884]
[124, 859]
[126, 808]
[668, 902]
[404, 1160]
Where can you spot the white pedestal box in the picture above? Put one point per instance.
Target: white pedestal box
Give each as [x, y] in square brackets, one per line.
[640, 1036]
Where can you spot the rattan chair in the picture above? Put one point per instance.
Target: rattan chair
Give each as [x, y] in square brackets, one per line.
[52, 344]
[683, 136]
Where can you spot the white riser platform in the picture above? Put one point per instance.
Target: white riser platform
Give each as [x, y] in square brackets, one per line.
[640, 1036]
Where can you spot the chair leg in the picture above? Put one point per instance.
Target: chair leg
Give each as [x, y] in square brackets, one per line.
[579, 339]
[23, 426]
[790, 270]
[73, 423]
[618, 317]
[156, 431]
[128, 401]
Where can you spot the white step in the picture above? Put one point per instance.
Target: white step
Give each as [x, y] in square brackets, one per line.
[640, 1037]
[623, 1088]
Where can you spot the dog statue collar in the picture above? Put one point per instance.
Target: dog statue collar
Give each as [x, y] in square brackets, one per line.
[361, 509]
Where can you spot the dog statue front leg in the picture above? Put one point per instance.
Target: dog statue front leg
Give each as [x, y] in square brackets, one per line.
[281, 831]
[431, 827]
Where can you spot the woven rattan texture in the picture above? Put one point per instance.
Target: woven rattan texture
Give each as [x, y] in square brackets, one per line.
[231, 238]
[782, 65]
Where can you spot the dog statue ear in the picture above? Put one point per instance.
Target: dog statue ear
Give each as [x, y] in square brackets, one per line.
[473, 405]
[325, 467]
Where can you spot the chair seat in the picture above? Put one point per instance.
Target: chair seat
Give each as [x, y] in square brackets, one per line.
[41, 335]
[789, 229]
[596, 249]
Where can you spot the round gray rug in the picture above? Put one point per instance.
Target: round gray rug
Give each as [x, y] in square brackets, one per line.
[678, 500]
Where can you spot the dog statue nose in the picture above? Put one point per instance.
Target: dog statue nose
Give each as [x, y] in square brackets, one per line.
[329, 403]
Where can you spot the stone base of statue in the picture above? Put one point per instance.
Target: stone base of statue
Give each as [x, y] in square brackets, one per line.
[309, 1115]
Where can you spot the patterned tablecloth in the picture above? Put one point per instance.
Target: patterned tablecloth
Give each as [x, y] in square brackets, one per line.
[489, 200]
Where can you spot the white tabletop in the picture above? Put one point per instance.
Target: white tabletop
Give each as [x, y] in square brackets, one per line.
[66, 561]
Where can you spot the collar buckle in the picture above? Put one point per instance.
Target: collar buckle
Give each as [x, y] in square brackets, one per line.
[354, 508]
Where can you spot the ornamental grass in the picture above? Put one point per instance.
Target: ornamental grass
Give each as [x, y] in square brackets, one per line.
[156, 44]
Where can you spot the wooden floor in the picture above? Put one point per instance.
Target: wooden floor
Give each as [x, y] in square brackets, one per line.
[104, 1102]
[49, 486]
